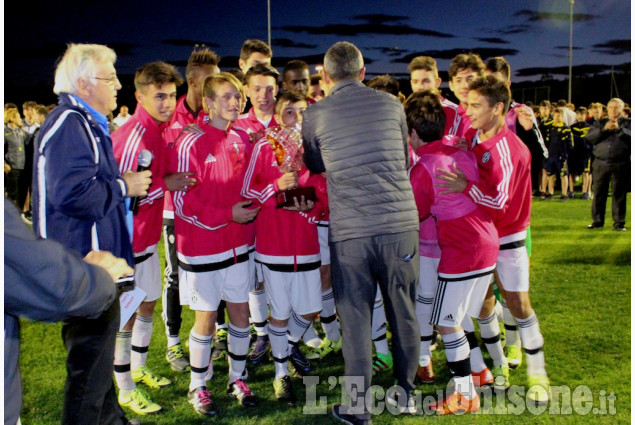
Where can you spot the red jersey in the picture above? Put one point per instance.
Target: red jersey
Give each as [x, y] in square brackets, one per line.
[465, 124]
[453, 120]
[467, 236]
[181, 117]
[504, 186]
[141, 132]
[250, 124]
[203, 224]
[282, 237]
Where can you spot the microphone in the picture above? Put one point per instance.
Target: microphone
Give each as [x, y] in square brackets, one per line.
[143, 163]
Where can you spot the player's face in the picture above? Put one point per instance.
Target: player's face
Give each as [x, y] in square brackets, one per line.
[422, 79]
[226, 105]
[478, 110]
[262, 90]
[315, 92]
[102, 94]
[557, 117]
[544, 111]
[158, 101]
[460, 83]
[580, 116]
[254, 59]
[291, 114]
[297, 79]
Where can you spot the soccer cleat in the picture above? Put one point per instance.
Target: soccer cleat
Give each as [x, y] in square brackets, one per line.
[177, 359]
[327, 347]
[220, 344]
[145, 375]
[539, 391]
[283, 389]
[139, 402]
[299, 366]
[456, 403]
[260, 349]
[241, 392]
[514, 356]
[202, 402]
[501, 377]
[382, 363]
[425, 374]
[483, 378]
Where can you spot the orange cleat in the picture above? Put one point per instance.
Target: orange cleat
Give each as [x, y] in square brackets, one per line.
[456, 403]
[425, 374]
[483, 378]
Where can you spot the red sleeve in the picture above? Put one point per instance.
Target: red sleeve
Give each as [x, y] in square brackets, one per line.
[492, 190]
[259, 184]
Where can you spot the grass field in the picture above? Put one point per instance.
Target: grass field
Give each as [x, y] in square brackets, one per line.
[580, 290]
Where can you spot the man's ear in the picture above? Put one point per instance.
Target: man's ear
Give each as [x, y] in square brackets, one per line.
[83, 86]
[362, 74]
[138, 96]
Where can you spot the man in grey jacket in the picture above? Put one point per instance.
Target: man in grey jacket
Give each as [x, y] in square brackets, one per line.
[359, 137]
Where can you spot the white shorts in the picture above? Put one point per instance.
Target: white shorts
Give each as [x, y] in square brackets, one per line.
[147, 273]
[457, 297]
[428, 276]
[203, 291]
[513, 269]
[297, 291]
[325, 250]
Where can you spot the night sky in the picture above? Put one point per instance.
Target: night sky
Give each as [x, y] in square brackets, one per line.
[532, 35]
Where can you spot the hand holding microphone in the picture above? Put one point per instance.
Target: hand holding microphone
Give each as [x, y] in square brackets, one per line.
[139, 182]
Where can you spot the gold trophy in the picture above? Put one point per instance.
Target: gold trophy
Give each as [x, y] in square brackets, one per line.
[286, 143]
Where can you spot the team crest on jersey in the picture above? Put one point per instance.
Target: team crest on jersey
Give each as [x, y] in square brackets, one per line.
[210, 158]
[486, 156]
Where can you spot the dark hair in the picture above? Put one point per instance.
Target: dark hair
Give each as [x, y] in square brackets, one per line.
[315, 79]
[581, 110]
[236, 72]
[424, 114]
[250, 46]
[499, 64]
[545, 103]
[262, 69]
[493, 89]
[200, 56]
[290, 97]
[385, 83]
[293, 65]
[423, 62]
[157, 73]
[466, 61]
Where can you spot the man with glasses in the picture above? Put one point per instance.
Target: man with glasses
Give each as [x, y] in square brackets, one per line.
[78, 200]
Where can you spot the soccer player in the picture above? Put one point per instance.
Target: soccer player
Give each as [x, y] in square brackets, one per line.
[254, 52]
[211, 239]
[202, 63]
[559, 141]
[504, 189]
[582, 151]
[287, 246]
[467, 238]
[424, 75]
[295, 76]
[315, 91]
[464, 68]
[155, 85]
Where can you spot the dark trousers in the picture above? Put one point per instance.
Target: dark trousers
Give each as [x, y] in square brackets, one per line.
[618, 175]
[11, 183]
[89, 393]
[171, 300]
[358, 265]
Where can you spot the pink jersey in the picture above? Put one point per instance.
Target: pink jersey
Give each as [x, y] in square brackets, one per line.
[250, 124]
[141, 132]
[205, 231]
[181, 117]
[465, 124]
[504, 186]
[467, 236]
[282, 236]
[453, 120]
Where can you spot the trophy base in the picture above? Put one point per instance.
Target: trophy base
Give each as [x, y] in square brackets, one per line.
[285, 197]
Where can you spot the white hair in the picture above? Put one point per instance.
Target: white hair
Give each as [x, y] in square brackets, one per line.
[80, 60]
[617, 100]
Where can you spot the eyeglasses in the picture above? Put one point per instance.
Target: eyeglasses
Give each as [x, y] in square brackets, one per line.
[110, 81]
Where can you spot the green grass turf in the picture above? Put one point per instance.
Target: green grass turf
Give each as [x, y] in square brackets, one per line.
[580, 290]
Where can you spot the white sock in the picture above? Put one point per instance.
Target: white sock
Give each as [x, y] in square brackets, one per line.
[141, 334]
[378, 330]
[457, 351]
[476, 356]
[297, 327]
[258, 309]
[173, 340]
[200, 350]
[123, 378]
[311, 338]
[533, 343]
[237, 347]
[490, 335]
[424, 308]
[279, 349]
[328, 318]
[512, 336]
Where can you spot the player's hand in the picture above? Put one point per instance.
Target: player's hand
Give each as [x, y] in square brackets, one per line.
[116, 267]
[179, 181]
[452, 182]
[525, 117]
[241, 214]
[193, 128]
[288, 181]
[302, 206]
[137, 182]
[461, 143]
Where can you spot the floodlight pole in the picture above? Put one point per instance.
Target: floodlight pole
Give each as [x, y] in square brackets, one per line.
[570, 46]
[269, 22]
